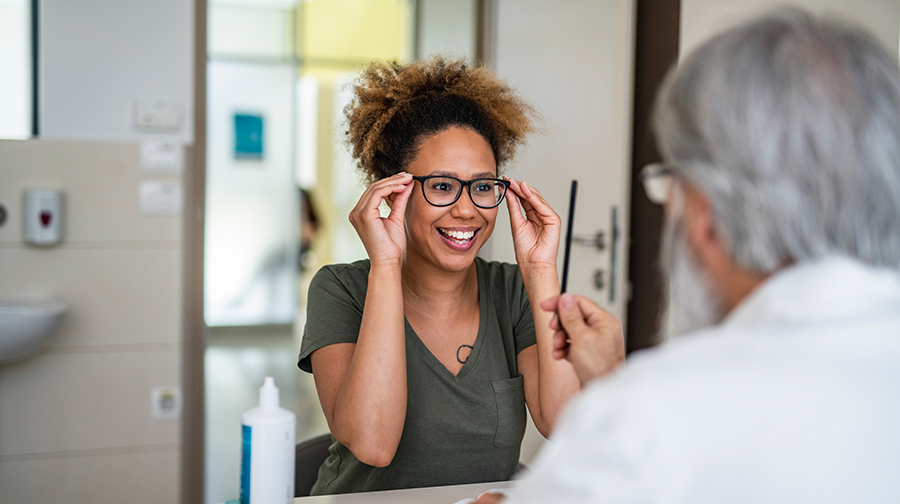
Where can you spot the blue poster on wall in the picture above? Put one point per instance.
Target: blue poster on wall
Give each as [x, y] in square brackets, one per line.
[248, 136]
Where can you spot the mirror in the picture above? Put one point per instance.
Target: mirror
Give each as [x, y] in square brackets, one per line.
[281, 182]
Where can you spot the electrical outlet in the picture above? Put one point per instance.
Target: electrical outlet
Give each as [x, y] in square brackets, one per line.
[165, 402]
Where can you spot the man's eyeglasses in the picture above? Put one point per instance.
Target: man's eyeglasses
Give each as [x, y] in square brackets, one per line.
[657, 179]
[443, 190]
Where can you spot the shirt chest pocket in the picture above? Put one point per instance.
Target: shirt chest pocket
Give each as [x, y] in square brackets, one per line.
[510, 396]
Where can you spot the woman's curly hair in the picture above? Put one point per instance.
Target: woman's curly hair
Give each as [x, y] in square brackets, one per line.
[397, 106]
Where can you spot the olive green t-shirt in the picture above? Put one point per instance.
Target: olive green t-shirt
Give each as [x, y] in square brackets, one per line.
[459, 429]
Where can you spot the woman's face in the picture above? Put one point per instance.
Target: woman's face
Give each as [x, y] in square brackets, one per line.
[449, 237]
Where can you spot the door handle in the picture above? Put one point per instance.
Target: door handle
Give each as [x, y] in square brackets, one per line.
[614, 231]
[598, 240]
[599, 281]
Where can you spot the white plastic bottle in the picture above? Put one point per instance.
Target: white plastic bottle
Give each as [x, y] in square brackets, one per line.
[267, 465]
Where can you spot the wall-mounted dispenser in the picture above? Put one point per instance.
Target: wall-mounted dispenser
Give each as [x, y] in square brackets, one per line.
[43, 217]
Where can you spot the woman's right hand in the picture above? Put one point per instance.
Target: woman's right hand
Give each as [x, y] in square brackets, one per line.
[383, 237]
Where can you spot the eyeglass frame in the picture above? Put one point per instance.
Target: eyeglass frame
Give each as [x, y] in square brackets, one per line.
[655, 171]
[464, 184]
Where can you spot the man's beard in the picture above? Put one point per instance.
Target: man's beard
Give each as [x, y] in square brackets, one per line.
[689, 301]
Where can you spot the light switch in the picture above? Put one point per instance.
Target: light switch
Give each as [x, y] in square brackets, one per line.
[157, 115]
[161, 198]
[162, 157]
[43, 217]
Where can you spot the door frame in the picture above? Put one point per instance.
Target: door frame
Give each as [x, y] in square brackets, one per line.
[655, 51]
[193, 338]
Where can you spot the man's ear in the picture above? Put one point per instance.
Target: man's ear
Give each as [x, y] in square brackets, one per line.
[731, 282]
[704, 240]
[698, 220]
[389, 199]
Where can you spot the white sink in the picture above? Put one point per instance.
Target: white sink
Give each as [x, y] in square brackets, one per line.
[26, 325]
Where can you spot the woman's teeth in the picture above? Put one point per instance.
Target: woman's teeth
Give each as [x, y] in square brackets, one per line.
[460, 237]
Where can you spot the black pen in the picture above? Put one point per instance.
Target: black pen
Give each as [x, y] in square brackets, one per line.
[565, 273]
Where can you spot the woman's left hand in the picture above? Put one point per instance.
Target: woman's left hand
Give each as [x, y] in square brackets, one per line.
[536, 235]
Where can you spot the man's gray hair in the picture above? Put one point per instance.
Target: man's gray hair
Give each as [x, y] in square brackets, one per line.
[790, 125]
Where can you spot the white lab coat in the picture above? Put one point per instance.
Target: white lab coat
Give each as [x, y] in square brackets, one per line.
[794, 398]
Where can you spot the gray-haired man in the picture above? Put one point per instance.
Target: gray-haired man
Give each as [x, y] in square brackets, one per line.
[782, 246]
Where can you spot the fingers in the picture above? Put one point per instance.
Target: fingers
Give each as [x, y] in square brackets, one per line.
[530, 195]
[591, 314]
[594, 315]
[398, 208]
[373, 195]
[521, 200]
[371, 198]
[524, 198]
[517, 205]
[561, 345]
[570, 315]
[530, 212]
[387, 186]
[560, 338]
[489, 498]
[533, 200]
[550, 304]
[554, 323]
[586, 335]
[514, 207]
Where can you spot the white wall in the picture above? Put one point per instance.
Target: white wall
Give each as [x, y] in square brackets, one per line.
[254, 32]
[75, 421]
[702, 18]
[98, 57]
[447, 27]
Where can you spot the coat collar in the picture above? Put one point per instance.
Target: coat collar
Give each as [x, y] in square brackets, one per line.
[833, 288]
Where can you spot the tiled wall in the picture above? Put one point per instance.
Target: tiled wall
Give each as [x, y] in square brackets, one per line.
[75, 419]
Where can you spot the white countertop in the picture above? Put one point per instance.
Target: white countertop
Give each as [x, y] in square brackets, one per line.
[429, 495]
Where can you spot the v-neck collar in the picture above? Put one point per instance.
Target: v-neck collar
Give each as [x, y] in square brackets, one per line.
[413, 339]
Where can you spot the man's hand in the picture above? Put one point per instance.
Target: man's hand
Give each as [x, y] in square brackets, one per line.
[489, 498]
[586, 335]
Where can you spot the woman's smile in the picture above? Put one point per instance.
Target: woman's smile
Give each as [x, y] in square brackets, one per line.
[461, 239]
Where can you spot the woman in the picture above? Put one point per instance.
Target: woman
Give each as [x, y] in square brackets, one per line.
[424, 355]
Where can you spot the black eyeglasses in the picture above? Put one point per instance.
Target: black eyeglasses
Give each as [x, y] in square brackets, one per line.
[657, 179]
[443, 190]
